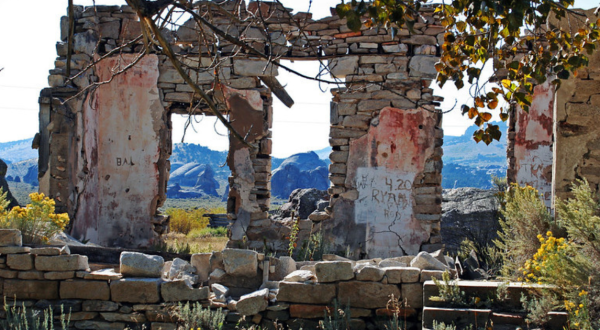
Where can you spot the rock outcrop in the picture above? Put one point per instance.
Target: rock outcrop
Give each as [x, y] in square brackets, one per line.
[303, 202]
[4, 185]
[206, 181]
[303, 170]
[469, 213]
[200, 178]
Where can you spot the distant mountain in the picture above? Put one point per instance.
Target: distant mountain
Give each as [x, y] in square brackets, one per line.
[303, 170]
[15, 151]
[324, 153]
[471, 164]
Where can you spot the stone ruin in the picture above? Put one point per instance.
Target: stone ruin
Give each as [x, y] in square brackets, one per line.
[104, 154]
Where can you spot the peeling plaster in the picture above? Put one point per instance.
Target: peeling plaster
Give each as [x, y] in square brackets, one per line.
[121, 149]
[533, 142]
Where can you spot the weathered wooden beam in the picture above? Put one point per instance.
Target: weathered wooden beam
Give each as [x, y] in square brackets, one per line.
[278, 90]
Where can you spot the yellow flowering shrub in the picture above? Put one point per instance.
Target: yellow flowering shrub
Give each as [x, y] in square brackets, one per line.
[556, 262]
[184, 221]
[36, 221]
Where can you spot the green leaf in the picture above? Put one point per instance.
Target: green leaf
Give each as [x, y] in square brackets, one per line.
[354, 22]
[461, 26]
[478, 135]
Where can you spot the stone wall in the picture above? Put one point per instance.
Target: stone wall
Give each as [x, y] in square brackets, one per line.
[385, 127]
[531, 142]
[144, 290]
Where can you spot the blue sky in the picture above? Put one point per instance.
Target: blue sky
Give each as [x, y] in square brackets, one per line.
[28, 52]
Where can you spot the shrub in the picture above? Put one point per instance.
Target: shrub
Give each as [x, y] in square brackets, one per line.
[183, 221]
[19, 318]
[525, 216]
[195, 317]
[36, 221]
[208, 232]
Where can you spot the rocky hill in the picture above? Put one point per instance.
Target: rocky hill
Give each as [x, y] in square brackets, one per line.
[199, 171]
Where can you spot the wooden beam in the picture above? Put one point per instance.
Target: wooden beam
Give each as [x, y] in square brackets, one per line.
[278, 90]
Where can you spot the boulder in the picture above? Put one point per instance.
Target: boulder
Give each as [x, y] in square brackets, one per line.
[469, 213]
[180, 268]
[303, 202]
[288, 177]
[253, 303]
[135, 264]
[426, 261]
[240, 262]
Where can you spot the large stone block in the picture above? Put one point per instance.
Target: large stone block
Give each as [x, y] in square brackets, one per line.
[306, 293]
[413, 294]
[31, 289]
[423, 66]
[333, 271]
[136, 290]
[240, 262]
[20, 261]
[10, 237]
[366, 294]
[135, 264]
[61, 263]
[253, 303]
[180, 291]
[84, 289]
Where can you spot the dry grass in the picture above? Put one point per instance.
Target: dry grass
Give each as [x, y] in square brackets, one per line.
[180, 243]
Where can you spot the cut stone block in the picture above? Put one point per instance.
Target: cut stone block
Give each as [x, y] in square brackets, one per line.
[61, 263]
[84, 289]
[240, 262]
[179, 290]
[333, 271]
[367, 294]
[135, 264]
[136, 290]
[306, 293]
[20, 261]
[28, 289]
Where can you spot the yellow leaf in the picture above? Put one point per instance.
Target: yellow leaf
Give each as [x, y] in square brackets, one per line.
[506, 83]
[486, 116]
[472, 113]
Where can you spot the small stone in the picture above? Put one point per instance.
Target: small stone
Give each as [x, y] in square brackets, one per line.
[217, 274]
[118, 317]
[334, 271]
[426, 261]
[179, 290]
[370, 274]
[240, 262]
[99, 306]
[221, 292]
[103, 274]
[20, 261]
[10, 237]
[300, 276]
[179, 267]
[253, 303]
[201, 261]
[136, 290]
[61, 263]
[137, 264]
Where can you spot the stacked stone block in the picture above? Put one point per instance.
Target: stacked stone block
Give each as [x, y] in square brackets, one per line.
[145, 290]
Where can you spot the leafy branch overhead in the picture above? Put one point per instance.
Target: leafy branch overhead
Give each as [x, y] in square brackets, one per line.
[519, 37]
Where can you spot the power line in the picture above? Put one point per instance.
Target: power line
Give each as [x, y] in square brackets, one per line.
[22, 87]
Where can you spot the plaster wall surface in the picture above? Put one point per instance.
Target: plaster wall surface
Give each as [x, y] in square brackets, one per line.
[534, 142]
[122, 148]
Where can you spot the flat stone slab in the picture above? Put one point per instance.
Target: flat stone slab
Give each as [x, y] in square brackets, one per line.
[84, 289]
[10, 237]
[306, 293]
[61, 263]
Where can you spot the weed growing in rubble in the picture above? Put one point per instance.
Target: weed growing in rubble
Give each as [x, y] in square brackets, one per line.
[443, 326]
[293, 238]
[20, 318]
[336, 318]
[36, 221]
[449, 291]
[193, 316]
[397, 310]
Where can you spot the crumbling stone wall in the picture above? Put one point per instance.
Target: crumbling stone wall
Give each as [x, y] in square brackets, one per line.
[531, 142]
[385, 128]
